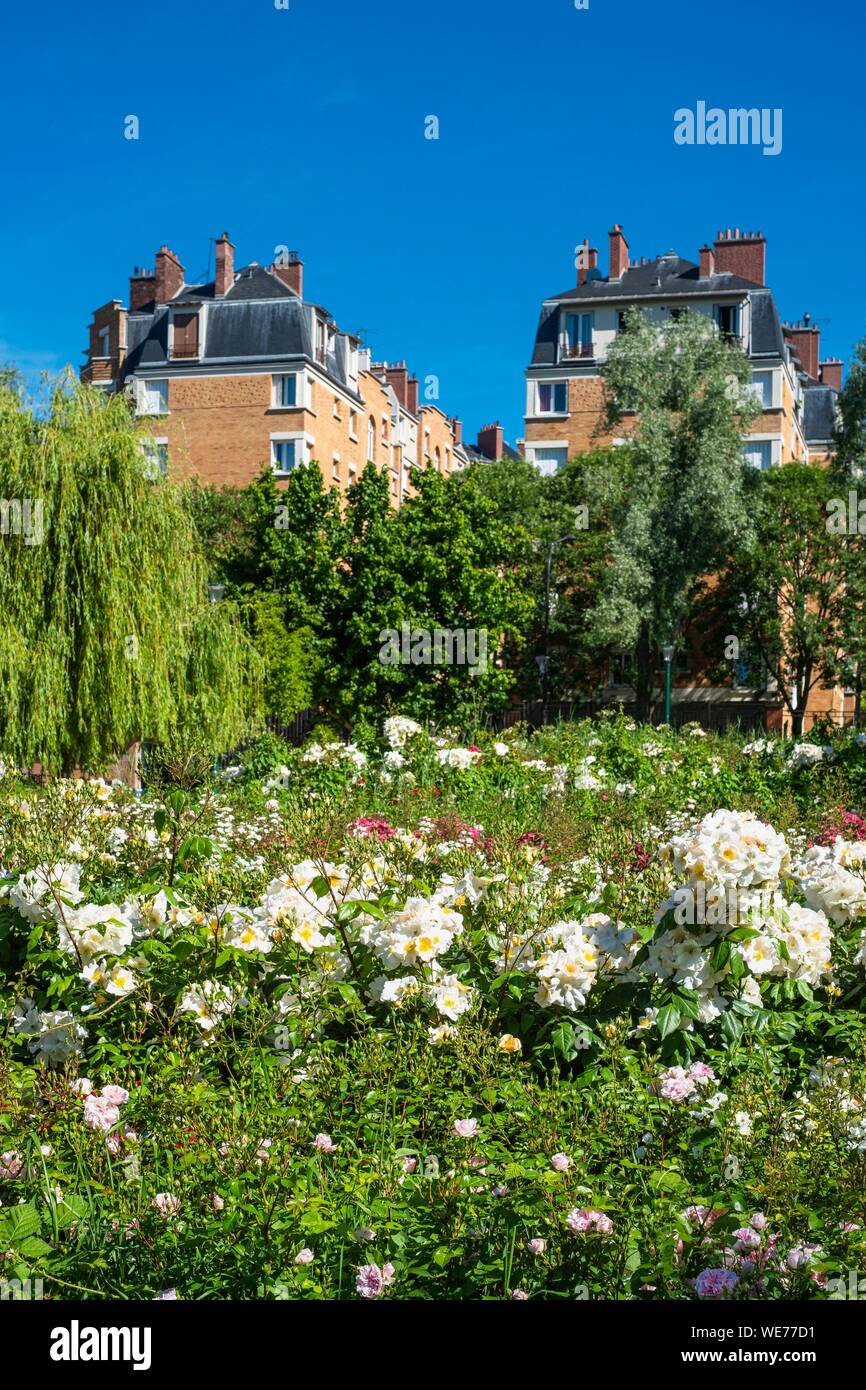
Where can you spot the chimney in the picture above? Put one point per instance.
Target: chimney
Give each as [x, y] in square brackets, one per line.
[225, 265]
[490, 441]
[397, 378]
[412, 395]
[831, 373]
[169, 275]
[618, 253]
[291, 273]
[457, 427]
[708, 262]
[743, 254]
[806, 342]
[142, 289]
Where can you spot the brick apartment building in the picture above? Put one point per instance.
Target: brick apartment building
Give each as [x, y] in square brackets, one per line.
[243, 372]
[795, 387]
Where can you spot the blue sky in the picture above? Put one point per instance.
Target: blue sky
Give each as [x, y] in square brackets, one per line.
[305, 127]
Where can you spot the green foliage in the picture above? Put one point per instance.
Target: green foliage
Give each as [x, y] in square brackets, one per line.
[107, 637]
[676, 498]
[789, 591]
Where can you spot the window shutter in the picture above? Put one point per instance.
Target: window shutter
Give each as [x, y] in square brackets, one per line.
[185, 340]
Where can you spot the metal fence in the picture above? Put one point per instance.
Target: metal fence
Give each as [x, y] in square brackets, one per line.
[750, 716]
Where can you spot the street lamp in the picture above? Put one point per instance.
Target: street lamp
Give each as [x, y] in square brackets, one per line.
[544, 660]
[668, 654]
[215, 592]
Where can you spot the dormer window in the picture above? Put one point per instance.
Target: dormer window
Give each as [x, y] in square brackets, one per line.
[320, 341]
[578, 335]
[184, 334]
[104, 342]
[727, 319]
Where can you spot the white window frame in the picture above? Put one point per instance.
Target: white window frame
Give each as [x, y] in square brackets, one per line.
[765, 372]
[152, 396]
[277, 381]
[543, 445]
[775, 443]
[303, 444]
[553, 384]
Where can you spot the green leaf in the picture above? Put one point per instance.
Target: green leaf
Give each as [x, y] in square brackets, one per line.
[668, 1020]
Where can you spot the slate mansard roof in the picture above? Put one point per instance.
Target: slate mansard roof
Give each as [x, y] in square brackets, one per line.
[819, 414]
[664, 278]
[258, 319]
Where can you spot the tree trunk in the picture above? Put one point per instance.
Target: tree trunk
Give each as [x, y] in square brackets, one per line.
[645, 673]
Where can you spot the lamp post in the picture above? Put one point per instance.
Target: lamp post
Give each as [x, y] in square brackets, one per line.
[215, 592]
[544, 660]
[668, 654]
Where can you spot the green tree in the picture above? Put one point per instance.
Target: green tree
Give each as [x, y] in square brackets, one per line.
[786, 591]
[849, 442]
[675, 498]
[107, 635]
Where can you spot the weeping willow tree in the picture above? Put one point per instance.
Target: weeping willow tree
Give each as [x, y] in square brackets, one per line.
[107, 637]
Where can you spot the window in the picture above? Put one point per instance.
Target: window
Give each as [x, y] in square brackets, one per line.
[552, 398]
[578, 335]
[762, 386]
[437, 459]
[549, 461]
[104, 336]
[284, 455]
[153, 398]
[320, 340]
[335, 468]
[286, 390]
[758, 453]
[621, 668]
[727, 319]
[184, 335]
[371, 438]
[337, 415]
[353, 425]
[156, 455]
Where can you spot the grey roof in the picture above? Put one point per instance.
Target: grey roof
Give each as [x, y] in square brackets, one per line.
[767, 337]
[475, 455]
[252, 282]
[819, 414]
[264, 328]
[241, 326]
[666, 275]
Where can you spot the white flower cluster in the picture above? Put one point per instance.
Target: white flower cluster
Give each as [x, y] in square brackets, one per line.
[730, 848]
[808, 754]
[398, 730]
[460, 758]
[737, 862]
[569, 957]
[332, 753]
[828, 883]
[54, 1035]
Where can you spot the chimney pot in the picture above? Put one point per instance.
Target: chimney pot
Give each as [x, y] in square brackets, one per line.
[618, 253]
[490, 441]
[225, 265]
